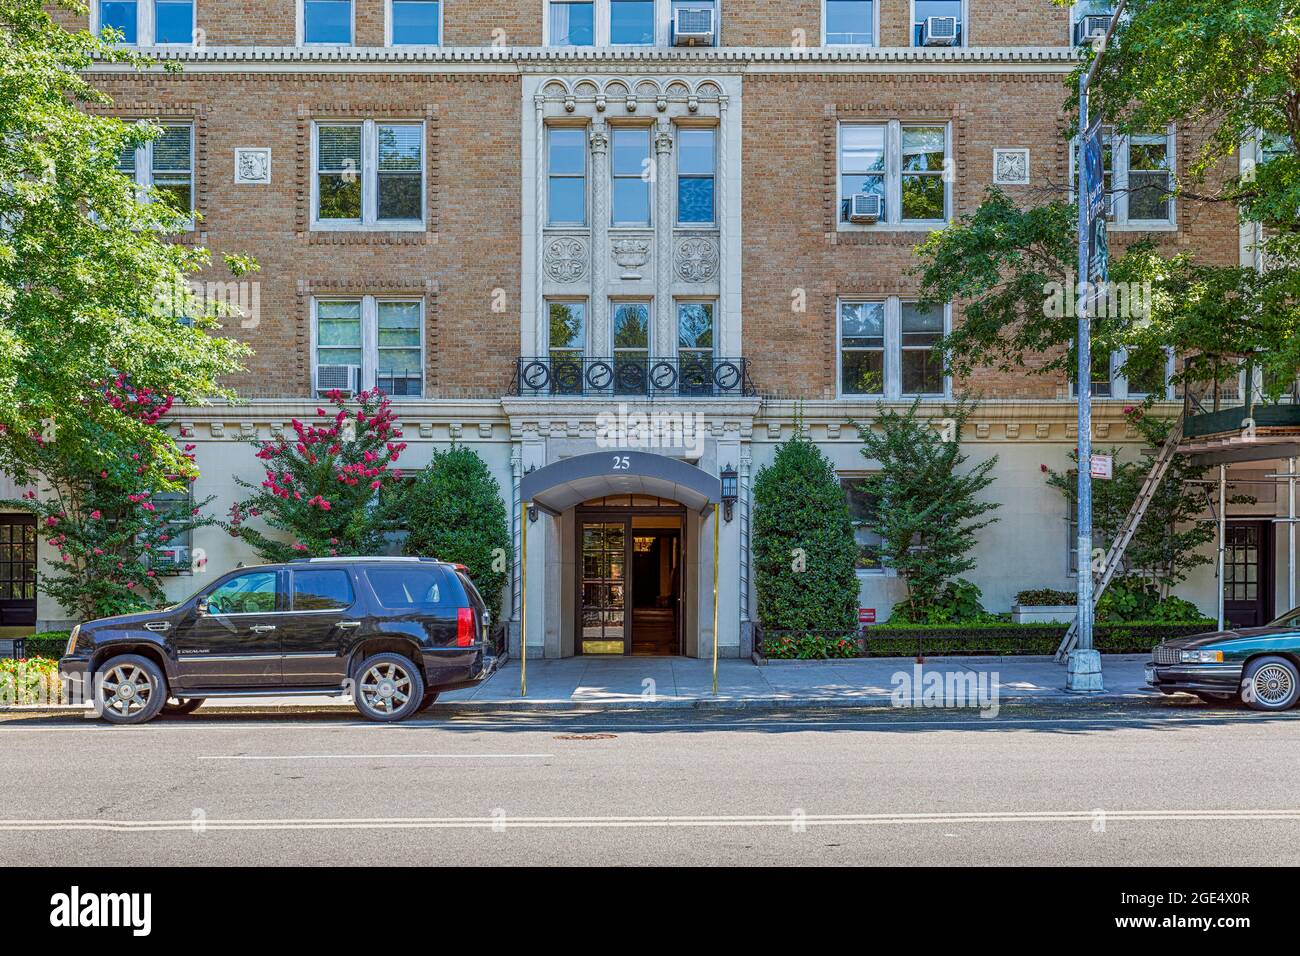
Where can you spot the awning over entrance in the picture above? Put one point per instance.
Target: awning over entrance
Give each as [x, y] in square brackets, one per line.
[571, 481]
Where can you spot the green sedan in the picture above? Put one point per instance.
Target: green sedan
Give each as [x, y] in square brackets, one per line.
[1257, 665]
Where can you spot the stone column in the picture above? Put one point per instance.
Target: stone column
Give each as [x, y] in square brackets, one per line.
[723, 329]
[665, 334]
[538, 304]
[599, 331]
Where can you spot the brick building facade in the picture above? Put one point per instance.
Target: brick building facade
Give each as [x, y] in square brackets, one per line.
[543, 169]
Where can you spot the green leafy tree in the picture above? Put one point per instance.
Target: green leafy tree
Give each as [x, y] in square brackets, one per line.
[92, 283]
[1170, 541]
[927, 513]
[1224, 72]
[323, 486]
[111, 526]
[453, 511]
[803, 547]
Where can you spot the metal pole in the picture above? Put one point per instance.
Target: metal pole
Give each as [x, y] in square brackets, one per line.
[1223, 530]
[716, 522]
[523, 604]
[1290, 538]
[1083, 342]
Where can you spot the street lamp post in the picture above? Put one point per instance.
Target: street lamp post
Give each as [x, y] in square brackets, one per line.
[1083, 666]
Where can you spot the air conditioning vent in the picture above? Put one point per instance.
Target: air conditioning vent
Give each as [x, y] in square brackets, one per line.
[865, 207]
[341, 377]
[1091, 27]
[693, 26]
[939, 31]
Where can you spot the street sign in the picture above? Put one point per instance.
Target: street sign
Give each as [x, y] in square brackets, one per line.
[866, 615]
[1103, 466]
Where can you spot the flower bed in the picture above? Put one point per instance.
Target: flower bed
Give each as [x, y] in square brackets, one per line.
[31, 680]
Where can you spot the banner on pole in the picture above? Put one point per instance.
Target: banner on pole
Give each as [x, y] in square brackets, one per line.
[1094, 175]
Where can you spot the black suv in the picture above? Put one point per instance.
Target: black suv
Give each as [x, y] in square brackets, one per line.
[392, 632]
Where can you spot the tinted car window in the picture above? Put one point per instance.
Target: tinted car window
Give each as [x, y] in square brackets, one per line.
[399, 588]
[322, 590]
[251, 593]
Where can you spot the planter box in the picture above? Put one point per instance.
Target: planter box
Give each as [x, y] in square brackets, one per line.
[1042, 613]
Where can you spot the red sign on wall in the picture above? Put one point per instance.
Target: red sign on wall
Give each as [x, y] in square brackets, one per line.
[866, 615]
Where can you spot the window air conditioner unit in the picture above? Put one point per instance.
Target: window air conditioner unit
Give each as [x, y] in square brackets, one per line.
[693, 26]
[939, 31]
[865, 207]
[341, 377]
[1091, 27]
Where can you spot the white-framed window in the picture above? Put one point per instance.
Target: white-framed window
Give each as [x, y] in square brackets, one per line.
[908, 165]
[363, 342]
[1120, 375]
[630, 174]
[924, 10]
[566, 176]
[326, 22]
[863, 507]
[850, 23]
[566, 340]
[887, 348]
[631, 338]
[1138, 178]
[697, 167]
[413, 22]
[620, 23]
[147, 22]
[368, 175]
[696, 344]
[166, 163]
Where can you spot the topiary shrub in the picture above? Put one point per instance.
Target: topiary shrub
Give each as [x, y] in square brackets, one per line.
[803, 547]
[1045, 597]
[453, 511]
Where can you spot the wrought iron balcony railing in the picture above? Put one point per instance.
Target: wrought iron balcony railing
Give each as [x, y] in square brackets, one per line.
[683, 376]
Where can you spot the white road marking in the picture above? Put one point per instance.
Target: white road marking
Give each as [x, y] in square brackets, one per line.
[617, 822]
[374, 756]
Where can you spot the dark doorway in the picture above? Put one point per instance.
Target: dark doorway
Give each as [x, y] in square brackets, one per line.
[630, 581]
[1248, 573]
[17, 570]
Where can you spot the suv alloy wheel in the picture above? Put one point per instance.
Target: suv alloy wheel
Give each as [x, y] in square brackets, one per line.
[388, 687]
[129, 689]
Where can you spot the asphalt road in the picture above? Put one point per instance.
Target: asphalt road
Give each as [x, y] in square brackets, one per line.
[1159, 783]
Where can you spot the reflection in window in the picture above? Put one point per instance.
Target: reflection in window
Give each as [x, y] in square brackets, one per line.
[630, 176]
[632, 22]
[1148, 177]
[326, 589]
[338, 172]
[924, 150]
[631, 346]
[862, 348]
[567, 343]
[399, 366]
[416, 22]
[863, 508]
[122, 16]
[862, 163]
[695, 175]
[246, 594]
[924, 9]
[567, 167]
[573, 24]
[695, 345]
[173, 21]
[327, 21]
[850, 23]
[922, 363]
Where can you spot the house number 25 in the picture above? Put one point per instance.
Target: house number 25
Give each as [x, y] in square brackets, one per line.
[622, 463]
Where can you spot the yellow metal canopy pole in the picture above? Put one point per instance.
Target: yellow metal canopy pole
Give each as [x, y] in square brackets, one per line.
[523, 604]
[715, 600]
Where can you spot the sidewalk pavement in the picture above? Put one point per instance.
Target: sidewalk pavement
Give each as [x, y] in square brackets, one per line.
[605, 683]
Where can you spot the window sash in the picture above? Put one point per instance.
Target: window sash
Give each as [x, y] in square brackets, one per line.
[568, 30]
[169, 169]
[897, 357]
[696, 181]
[374, 178]
[328, 22]
[883, 159]
[631, 13]
[572, 179]
[861, 506]
[386, 340]
[630, 193]
[409, 22]
[850, 13]
[923, 9]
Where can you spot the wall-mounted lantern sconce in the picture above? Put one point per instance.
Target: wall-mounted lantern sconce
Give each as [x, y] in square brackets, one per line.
[532, 514]
[730, 490]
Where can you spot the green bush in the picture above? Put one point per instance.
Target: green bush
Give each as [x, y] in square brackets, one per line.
[804, 551]
[1045, 597]
[46, 644]
[810, 647]
[453, 511]
[958, 603]
[1136, 637]
[1137, 599]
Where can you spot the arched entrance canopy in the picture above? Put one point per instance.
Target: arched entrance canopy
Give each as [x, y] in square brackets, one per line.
[571, 481]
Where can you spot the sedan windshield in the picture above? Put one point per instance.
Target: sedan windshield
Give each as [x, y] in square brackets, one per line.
[1289, 619]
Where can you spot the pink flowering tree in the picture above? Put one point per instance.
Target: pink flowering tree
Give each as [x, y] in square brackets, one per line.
[323, 483]
[99, 509]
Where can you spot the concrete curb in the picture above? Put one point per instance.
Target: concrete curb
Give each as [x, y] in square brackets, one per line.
[525, 705]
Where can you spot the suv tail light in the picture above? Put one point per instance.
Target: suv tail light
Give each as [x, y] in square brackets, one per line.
[464, 627]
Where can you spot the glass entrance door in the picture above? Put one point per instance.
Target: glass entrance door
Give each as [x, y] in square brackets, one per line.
[604, 587]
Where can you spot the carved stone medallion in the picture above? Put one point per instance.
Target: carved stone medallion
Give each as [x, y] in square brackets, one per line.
[696, 259]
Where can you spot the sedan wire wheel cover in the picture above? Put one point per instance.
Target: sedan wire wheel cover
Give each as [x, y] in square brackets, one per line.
[1272, 683]
[126, 689]
[386, 687]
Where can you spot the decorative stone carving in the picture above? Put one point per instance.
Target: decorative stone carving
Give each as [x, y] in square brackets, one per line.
[631, 255]
[696, 259]
[1042, 430]
[1011, 167]
[253, 166]
[566, 259]
[1013, 430]
[664, 138]
[982, 430]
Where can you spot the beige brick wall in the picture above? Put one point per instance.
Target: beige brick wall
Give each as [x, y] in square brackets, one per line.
[469, 250]
[790, 240]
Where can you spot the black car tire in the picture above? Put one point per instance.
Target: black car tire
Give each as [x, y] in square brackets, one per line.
[387, 688]
[1271, 684]
[429, 699]
[178, 706]
[143, 679]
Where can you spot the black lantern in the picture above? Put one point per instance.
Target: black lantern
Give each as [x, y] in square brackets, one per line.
[730, 490]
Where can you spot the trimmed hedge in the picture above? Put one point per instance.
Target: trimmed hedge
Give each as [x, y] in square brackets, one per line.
[978, 639]
[49, 644]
